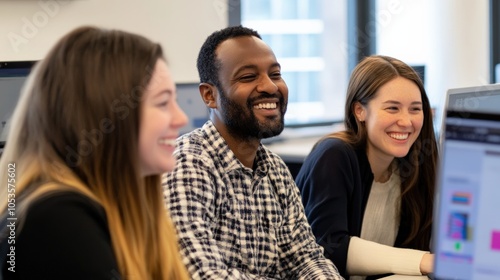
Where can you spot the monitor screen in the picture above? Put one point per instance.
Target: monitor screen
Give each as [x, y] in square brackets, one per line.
[466, 232]
[12, 77]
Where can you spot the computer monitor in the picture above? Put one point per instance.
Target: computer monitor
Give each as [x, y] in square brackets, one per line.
[189, 99]
[12, 77]
[480, 99]
[466, 233]
[420, 69]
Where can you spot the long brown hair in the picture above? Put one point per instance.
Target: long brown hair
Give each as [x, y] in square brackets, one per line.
[76, 127]
[418, 168]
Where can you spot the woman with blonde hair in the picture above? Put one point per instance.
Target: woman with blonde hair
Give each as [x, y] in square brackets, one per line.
[89, 139]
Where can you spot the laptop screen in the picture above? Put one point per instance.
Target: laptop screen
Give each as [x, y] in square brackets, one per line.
[467, 217]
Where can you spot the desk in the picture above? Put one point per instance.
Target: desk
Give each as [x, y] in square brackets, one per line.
[294, 144]
[293, 150]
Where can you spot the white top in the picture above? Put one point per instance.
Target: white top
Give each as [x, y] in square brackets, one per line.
[381, 218]
[373, 253]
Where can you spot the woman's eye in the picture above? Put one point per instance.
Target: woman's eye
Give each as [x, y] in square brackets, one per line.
[163, 104]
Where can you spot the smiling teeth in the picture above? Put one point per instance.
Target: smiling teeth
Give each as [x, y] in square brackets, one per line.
[399, 136]
[266, 106]
[170, 142]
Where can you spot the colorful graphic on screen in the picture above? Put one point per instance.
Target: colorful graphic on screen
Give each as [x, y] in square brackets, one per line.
[461, 198]
[457, 226]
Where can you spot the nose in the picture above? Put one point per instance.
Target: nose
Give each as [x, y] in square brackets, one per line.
[405, 119]
[266, 84]
[180, 118]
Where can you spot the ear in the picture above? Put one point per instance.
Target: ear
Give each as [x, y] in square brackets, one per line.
[359, 111]
[208, 93]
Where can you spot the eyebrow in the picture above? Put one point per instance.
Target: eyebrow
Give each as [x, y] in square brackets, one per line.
[165, 91]
[397, 102]
[253, 67]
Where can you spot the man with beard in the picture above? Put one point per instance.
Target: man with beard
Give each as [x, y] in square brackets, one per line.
[235, 204]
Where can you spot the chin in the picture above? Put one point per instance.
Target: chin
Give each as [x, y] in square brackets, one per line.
[271, 131]
[159, 169]
[400, 154]
[169, 166]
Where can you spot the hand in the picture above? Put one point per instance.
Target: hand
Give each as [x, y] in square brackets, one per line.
[427, 264]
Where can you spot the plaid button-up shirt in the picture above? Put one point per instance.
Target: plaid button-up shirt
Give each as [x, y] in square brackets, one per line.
[237, 223]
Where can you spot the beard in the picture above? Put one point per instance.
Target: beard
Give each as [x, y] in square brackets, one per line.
[242, 122]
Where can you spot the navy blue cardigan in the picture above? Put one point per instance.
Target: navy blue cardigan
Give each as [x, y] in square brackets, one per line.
[335, 182]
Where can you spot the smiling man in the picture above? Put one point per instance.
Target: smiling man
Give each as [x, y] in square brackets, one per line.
[235, 204]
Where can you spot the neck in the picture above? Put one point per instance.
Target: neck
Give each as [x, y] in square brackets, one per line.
[381, 167]
[245, 150]
[382, 176]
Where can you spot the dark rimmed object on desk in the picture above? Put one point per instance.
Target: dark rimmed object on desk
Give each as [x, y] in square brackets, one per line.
[12, 77]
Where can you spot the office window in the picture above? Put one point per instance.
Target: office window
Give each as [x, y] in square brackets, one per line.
[309, 38]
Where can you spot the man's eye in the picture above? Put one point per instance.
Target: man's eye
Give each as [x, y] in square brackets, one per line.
[276, 75]
[247, 77]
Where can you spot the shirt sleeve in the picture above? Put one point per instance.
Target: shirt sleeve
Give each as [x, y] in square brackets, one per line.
[189, 195]
[304, 257]
[326, 181]
[65, 236]
[371, 258]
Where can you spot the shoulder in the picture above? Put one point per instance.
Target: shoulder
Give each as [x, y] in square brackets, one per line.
[205, 140]
[68, 227]
[332, 148]
[331, 157]
[275, 162]
[67, 213]
[65, 204]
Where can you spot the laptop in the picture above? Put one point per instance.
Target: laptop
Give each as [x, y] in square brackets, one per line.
[466, 233]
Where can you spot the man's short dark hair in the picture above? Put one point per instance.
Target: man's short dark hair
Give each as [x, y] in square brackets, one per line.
[208, 66]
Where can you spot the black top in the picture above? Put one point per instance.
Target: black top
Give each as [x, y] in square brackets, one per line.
[335, 182]
[64, 236]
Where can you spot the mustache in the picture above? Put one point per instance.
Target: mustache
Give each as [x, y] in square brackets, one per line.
[266, 95]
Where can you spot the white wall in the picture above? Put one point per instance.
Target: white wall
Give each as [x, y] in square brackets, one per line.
[449, 36]
[29, 28]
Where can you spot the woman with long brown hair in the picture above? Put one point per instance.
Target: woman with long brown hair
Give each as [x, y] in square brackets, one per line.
[89, 139]
[369, 188]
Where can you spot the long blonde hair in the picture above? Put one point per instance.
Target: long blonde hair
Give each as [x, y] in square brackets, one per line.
[76, 127]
